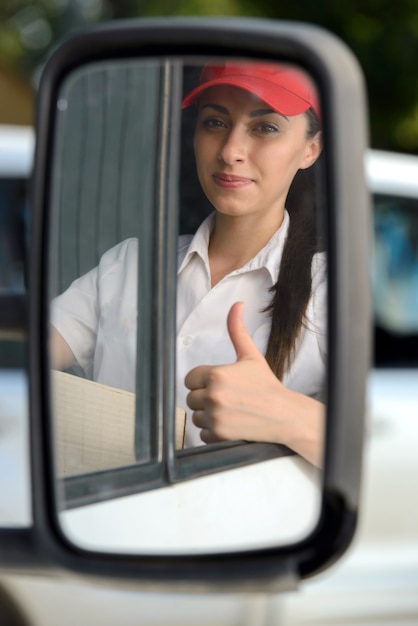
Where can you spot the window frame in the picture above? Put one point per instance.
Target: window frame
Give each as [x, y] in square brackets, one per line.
[158, 463]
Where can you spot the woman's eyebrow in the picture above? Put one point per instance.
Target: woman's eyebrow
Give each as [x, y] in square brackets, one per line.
[255, 113]
[261, 112]
[216, 107]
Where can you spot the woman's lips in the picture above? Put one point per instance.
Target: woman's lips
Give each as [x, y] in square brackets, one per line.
[229, 181]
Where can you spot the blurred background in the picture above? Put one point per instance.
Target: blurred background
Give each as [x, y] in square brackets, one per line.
[377, 583]
[383, 34]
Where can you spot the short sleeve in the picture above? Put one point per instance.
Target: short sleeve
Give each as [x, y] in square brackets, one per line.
[76, 312]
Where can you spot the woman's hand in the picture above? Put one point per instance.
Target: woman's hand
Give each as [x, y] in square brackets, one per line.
[245, 400]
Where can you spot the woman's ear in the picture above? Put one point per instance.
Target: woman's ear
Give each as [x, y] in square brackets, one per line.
[313, 150]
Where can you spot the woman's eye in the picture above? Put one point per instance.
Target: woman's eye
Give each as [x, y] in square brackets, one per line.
[213, 124]
[265, 128]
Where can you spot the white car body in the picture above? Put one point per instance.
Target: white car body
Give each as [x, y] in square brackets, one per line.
[17, 145]
[375, 582]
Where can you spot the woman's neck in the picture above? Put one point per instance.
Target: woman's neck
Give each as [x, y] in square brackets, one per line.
[235, 241]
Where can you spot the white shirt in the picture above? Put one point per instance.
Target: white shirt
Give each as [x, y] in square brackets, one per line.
[97, 315]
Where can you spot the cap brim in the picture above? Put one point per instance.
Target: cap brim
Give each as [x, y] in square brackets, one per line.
[284, 101]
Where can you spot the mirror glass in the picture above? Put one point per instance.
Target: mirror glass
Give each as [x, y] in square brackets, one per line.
[187, 301]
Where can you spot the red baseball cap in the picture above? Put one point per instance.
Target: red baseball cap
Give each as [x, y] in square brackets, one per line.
[286, 89]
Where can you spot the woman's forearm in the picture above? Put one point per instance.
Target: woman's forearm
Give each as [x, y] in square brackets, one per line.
[61, 355]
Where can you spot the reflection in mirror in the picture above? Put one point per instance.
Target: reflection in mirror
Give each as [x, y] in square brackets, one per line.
[251, 302]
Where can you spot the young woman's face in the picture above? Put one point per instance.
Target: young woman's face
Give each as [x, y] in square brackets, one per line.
[246, 154]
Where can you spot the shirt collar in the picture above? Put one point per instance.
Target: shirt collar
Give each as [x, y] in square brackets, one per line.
[200, 242]
[268, 257]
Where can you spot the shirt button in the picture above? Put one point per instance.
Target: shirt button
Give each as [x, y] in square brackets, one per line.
[187, 340]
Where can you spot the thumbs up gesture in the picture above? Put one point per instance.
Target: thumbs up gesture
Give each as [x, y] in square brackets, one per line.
[245, 401]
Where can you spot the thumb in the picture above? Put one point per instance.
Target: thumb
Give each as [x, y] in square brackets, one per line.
[244, 346]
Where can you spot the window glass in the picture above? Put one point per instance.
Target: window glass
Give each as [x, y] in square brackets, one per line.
[13, 233]
[395, 280]
[102, 221]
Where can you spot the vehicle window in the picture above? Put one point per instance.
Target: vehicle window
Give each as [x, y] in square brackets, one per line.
[13, 232]
[104, 212]
[395, 281]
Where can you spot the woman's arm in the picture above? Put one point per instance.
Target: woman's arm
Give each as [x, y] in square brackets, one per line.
[61, 356]
[246, 401]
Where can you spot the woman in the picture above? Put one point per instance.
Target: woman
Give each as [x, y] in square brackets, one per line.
[257, 126]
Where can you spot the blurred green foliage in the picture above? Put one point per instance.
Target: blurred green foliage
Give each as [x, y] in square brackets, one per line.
[383, 34]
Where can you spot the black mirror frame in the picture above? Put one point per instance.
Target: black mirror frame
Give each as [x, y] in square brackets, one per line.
[43, 547]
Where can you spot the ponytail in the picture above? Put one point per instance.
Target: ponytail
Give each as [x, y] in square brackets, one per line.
[292, 291]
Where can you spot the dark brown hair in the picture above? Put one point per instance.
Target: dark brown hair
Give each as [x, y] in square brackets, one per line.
[293, 289]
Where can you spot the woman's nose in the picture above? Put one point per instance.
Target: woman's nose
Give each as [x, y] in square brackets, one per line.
[233, 148]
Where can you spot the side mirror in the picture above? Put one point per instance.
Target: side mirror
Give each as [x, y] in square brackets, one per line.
[114, 491]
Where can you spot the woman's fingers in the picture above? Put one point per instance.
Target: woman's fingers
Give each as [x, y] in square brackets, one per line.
[198, 377]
